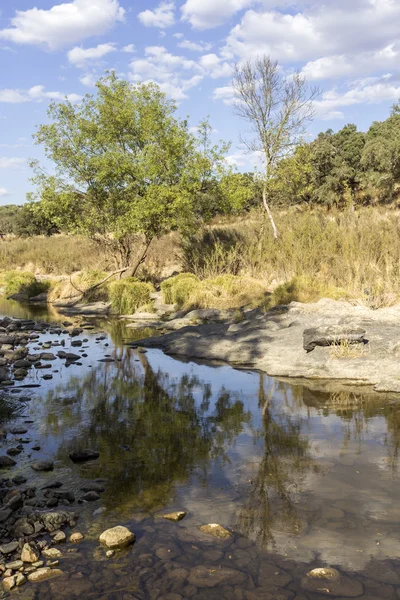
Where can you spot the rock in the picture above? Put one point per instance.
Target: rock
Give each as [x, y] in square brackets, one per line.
[175, 516]
[51, 553]
[71, 356]
[59, 537]
[43, 465]
[76, 537]
[6, 461]
[19, 479]
[22, 364]
[83, 455]
[332, 335]
[4, 514]
[14, 451]
[29, 555]
[14, 565]
[20, 579]
[54, 520]
[93, 486]
[9, 583]
[91, 496]
[210, 576]
[44, 573]
[9, 548]
[110, 553]
[330, 582]
[18, 430]
[47, 356]
[216, 530]
[117, 537]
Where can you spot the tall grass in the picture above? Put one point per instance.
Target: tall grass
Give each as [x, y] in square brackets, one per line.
[128, 295]
[348, 254]
[25, 284]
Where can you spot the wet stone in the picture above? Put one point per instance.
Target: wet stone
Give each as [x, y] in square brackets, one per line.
[329, 582]
[209, 576]
[44, 573]
[216, 530]
[91, 496]
[175, 516]
[84, 455]
[6, 461]
[29, 554]
[8, 548]
[43, 465]
[117, 537]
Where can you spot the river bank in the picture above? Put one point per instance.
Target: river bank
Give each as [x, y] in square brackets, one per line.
[326, 340]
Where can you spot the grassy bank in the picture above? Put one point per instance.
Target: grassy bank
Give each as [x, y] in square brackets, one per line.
[352, 255]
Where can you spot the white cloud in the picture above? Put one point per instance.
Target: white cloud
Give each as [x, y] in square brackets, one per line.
[215, 67]
[368, 91]
[36, 93]
[63, 24]
[178, 36]
[345, 65]
[195, 46]
[11, 162]
[130, 48]
[225, 93]
[174, 74]
[161, 17]
[4, 192]
[206, 14]
[80, 57]
[12, 96]
[242, 158]
[89, 79]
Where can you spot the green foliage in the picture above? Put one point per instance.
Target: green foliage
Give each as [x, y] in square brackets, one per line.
[8, 217]
[291, 183]
[176, 290]
[26, 284]
[127, 295]
[125, 166]
[224, 291]
[239, 192]
[32, 220]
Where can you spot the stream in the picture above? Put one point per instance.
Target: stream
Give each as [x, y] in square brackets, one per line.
[302, 478]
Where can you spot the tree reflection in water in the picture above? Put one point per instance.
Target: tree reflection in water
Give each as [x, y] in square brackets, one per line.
[286, 459]
[151, 432]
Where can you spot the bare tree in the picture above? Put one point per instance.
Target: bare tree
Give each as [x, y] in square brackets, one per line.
[278, 109]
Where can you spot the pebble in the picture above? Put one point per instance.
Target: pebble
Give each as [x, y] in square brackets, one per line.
[44, 573]
[76, 537]
[216, 530]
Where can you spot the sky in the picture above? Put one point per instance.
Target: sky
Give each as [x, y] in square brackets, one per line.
[50, 49]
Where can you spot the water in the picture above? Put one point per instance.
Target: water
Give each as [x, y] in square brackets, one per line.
[302, 478]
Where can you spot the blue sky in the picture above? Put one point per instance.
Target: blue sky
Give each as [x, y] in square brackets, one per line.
[50, 49]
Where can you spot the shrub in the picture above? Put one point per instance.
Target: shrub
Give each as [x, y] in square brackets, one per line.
[16, 282]
[127, 295]
[176, 290]
[224, 291]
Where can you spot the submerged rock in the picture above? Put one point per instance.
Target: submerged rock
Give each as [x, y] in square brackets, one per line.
[43, 465]
[330, 582]
[216, 530]
[51, 553]
[83, 455]
[6, 461]
[209, 576]
[117, 537]
[44, 573]
[175, 516]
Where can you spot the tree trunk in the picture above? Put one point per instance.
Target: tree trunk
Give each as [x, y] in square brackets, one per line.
[132, 269]
[270, 215]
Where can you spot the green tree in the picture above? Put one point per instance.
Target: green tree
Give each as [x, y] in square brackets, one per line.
[126, 169]
[292, 182]
[381, 157]
[239, 192]
[31, 220]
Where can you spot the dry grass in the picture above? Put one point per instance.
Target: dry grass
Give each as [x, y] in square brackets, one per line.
[225, 291]
[344, 349]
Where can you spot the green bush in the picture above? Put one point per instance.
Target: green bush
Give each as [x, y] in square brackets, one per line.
[176, 290]
[127, 295]
[16, 282]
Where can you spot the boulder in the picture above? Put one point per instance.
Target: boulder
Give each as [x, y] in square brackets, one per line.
[332, 335]
[117, 537]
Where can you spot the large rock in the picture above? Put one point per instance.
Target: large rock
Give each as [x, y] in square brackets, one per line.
[117, 537]
[43, 465]
[6, 461]
[273, 342]
[55, 520]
